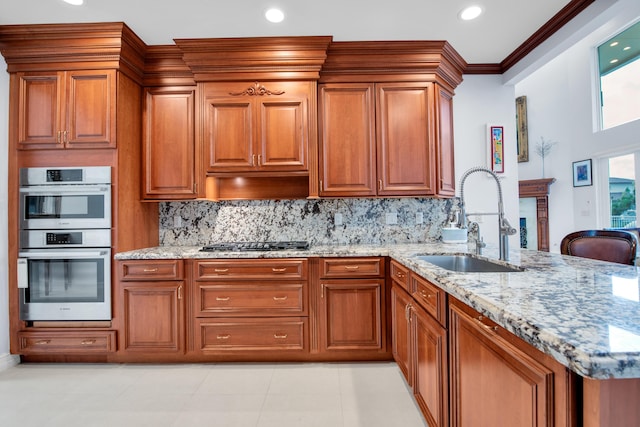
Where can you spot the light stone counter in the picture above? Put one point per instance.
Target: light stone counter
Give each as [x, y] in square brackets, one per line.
[584, 313]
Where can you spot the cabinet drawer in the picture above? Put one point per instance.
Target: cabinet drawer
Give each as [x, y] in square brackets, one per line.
[66, 342]
[400, 275]
[162, 269]
[352, 267]
[272, 269]
[430, 297]
[215, 335]
[250, 299]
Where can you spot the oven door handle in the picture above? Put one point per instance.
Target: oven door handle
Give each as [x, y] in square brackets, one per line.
[23, 274]
[56, 254]
[65, 190]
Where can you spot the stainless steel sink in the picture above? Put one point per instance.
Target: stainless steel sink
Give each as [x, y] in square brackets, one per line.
[468, 264]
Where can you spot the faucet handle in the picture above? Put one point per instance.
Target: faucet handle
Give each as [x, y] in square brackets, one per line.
[507, 228]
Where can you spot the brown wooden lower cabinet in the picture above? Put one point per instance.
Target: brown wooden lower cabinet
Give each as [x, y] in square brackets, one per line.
[151, 307]
[351, 308]
[401, 330]
[430, 367]
[63, 341]
[498, 380]
[153, 317]
[419, 343]
[252, 334]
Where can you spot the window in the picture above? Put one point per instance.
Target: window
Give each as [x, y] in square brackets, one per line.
[619, 68]
[622, 191]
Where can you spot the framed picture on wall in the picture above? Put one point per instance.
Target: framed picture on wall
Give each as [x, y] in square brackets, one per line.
[582, 173]
[496, 145]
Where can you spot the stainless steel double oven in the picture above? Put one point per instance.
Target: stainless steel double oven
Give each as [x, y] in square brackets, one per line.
[64, 262]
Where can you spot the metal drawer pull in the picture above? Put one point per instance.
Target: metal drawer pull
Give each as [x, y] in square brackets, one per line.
[223, 298]
[88, 342]
[284, 298]
[279, 270]
[351, 267]
[42, 342]
[423, 294]
[400, 275]
[150, 270]
[280, 336]
[223, 336]
[221, 270]
[486, 327]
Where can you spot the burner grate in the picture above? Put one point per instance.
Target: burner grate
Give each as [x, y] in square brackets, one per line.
[255, 246]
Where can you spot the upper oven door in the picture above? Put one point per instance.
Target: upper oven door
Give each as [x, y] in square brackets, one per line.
[65, 206]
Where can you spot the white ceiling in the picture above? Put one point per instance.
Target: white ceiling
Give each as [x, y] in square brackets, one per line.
[504, 26]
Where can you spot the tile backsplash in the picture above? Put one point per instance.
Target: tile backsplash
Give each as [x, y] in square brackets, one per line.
[364, 221]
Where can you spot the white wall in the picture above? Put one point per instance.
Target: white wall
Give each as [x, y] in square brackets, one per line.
[560, 102]
[4, 134]
[482, 101]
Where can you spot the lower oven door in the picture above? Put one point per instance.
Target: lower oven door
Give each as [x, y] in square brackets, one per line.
[70, 284]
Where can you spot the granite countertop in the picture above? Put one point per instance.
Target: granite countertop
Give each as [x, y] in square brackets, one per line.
[584, 313]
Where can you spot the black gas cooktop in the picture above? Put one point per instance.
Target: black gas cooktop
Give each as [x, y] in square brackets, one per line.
[255, 246]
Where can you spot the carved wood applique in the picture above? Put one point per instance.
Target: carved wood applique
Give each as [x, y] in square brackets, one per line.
[257, 90]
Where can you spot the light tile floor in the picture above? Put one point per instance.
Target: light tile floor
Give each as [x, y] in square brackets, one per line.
[217, 395]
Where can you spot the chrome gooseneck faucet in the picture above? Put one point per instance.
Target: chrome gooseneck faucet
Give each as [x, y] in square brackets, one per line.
[504, 228]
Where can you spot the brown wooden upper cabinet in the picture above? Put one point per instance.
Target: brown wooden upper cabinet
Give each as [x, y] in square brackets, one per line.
[256, 127]
[385, 139]
[386, 119]
[66, 109]
[170, 165]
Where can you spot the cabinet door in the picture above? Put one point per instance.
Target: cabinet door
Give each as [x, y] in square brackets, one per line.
[153, 317]
[228, 129]
[445, 170]
[430, 367]
[282, 124]
[90, 110]
[351, 315]
[405, 146]
[400, 316]
[493, 383]
[73, 109]
[347, 140]
[250, 127]
[40, 100]
[170, 160]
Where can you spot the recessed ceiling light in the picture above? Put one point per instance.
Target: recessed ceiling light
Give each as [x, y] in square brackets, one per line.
[627, 48]
[614, 44]
[613, 61]
[75, 2]
[469, 13]
[274, 15]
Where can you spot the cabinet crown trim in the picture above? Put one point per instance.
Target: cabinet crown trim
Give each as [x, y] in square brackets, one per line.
[255, 58]
[46, 47]
[413, 60]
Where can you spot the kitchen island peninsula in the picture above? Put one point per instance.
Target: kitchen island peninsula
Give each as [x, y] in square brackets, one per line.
[582, 314]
